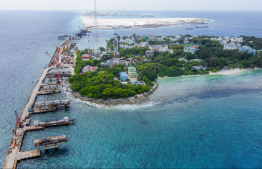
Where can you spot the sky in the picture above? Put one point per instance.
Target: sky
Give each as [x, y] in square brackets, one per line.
[87, 5]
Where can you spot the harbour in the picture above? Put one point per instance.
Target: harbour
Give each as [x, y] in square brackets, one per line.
[14, 154]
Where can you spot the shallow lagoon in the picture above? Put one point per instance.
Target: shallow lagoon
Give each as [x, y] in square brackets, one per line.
[192, 123]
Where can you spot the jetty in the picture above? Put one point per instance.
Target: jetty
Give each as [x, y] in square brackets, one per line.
[62, 122]
[14, 154]
[49, 89]
[49, 106]
[42, 125]
[50, 142]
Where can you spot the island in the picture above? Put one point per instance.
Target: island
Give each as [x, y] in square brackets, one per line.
[130, 76]
[104, 23]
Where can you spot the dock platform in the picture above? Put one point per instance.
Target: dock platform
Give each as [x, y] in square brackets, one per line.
[55, 75]
[28, 154]
[53, 123]
[49, 106]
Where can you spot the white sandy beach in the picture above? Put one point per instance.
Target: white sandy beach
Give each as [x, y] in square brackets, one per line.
[229, 72]
[223, 72]
[103, 22]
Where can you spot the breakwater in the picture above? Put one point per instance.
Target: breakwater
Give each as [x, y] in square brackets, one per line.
[14, 154]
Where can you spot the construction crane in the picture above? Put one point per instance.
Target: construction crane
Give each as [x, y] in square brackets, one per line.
[96, 36]
[93, 48]
[52, 62]
[55, 44]
[116, 53]
[17, 118]
[48, 55]
[89, 51]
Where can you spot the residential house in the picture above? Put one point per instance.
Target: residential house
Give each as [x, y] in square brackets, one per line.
[149, 52]
[132, 72]
[123, 76]
[248, 49]
[186, 42]
[89, 68]
[136, 82]
[195, 60]
[85, 57]
[110, 62]
[191, 49]
[199, 67]
[182, 59]
[158, 47]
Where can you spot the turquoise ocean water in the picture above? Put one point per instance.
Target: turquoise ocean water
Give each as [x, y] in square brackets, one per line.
[195, 123]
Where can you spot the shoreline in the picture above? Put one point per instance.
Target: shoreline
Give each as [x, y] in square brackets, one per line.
[222, 72]
[109, 103]
[142, 98]
[229, 71]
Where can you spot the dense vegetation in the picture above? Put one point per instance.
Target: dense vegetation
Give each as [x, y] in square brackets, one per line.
[102, 85]
[133, 51]
[110, 44]
[164, 64]
[253, 42]
[217, 58]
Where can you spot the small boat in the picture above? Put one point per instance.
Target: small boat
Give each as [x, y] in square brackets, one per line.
[211, 78]
[197, 80]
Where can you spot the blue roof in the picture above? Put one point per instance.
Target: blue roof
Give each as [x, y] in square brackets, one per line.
[135, 82]
[122, 73]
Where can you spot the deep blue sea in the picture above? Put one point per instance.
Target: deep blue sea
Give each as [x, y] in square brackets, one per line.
[194, 123]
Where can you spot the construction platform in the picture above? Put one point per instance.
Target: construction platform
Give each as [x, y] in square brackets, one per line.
[42, 125]
[55, 75]
[49, 106]
[49, 89]
[51, 84]
[44, 93]
[62, 122]
[50, 141]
